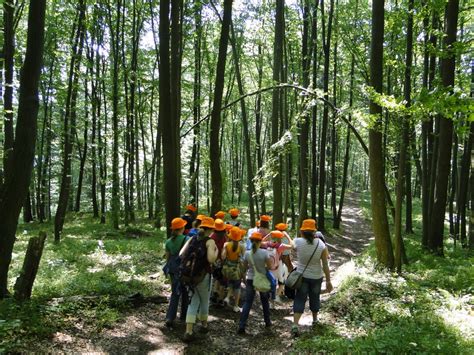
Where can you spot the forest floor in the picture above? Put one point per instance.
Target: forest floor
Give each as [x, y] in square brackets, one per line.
[142, 329]
[81, 300]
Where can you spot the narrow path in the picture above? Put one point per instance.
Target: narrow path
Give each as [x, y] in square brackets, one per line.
[142, 329]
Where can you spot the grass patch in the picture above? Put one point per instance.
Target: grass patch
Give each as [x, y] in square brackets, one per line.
[427, 309]
[91, 260]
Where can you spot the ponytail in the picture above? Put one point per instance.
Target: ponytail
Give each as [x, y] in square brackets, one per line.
[235, 245]
[309, 236]
[255, 245]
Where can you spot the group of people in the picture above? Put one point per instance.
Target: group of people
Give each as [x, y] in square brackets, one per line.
[208, 259]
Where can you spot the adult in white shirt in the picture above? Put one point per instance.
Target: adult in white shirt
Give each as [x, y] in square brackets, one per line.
[312, 260]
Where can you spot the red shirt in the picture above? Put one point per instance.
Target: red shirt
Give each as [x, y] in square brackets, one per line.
[220, 241]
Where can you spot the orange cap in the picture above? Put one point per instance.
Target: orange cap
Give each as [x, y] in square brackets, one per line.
[235, 234]
[277, 234]
[178, 223]
[234, 212]
[220, 215]
[256, 236]
[219, 225]
[308, 225]
[265, 218]
[282, 226]
[207, 222]
[200, 217]
[191, 208]
[228, 227]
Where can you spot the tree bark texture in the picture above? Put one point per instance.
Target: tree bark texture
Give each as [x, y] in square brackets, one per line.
[380, 227]
[215, 124]
[18, 172]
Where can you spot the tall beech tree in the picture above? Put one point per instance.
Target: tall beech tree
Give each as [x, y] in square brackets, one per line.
[447, 66]
[70, 119]
[276, 107]
[18, 171]
[215, 125]
[326, 31]
[383, 243]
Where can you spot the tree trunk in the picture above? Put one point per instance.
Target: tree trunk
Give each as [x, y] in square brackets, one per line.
[214, 151]
[8, 58]
[245, 124]
[404, 143]
[326, 39]
[436, 230]
[276, 107]
[304, 124]
[193, 169]
[27, 209]
[24, 283]
[70, 123]
[83, 156]
[18, 172]
[334, 139]
[383, 243]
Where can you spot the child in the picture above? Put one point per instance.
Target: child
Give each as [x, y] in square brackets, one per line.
[219, 237]
[234, 214]
[172, 247]
[199, 306]
[189, 216]
[273, 243]
[258, 259]
[285, 256]
[231, 255]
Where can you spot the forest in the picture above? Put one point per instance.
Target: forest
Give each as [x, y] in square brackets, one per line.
[118, 113]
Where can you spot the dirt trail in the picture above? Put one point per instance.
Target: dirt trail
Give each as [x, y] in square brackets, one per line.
[142, 330]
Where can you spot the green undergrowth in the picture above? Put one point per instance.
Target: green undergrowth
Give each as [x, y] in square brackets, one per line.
[80, 280]
[426, 309]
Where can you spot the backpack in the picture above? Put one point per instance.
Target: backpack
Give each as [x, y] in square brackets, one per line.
[194, 264]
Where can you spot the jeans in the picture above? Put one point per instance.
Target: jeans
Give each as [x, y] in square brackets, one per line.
[311, 288]
[249, 296]
[177, 291]
[199, 306]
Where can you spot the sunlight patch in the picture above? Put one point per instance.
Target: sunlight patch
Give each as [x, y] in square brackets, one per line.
[457, 312]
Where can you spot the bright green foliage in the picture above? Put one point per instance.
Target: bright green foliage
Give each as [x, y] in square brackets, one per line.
[91, 261]
[425, 311]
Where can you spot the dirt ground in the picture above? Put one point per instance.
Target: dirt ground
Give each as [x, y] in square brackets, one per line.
[142, 330]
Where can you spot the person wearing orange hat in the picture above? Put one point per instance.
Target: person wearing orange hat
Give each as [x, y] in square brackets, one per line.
[197, 222]
[312, 261]
[220, 215]
[173, 246]
[273, 243]
[258, 259]
[189, 216]
[234, 214]
[262, 226]
[286, 255]
[198, 308]
[219, 237]
[231, 255]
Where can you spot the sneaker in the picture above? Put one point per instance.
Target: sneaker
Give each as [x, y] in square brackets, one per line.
[294, 331]
[241, 331]
[236, 309]
[188, 337]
